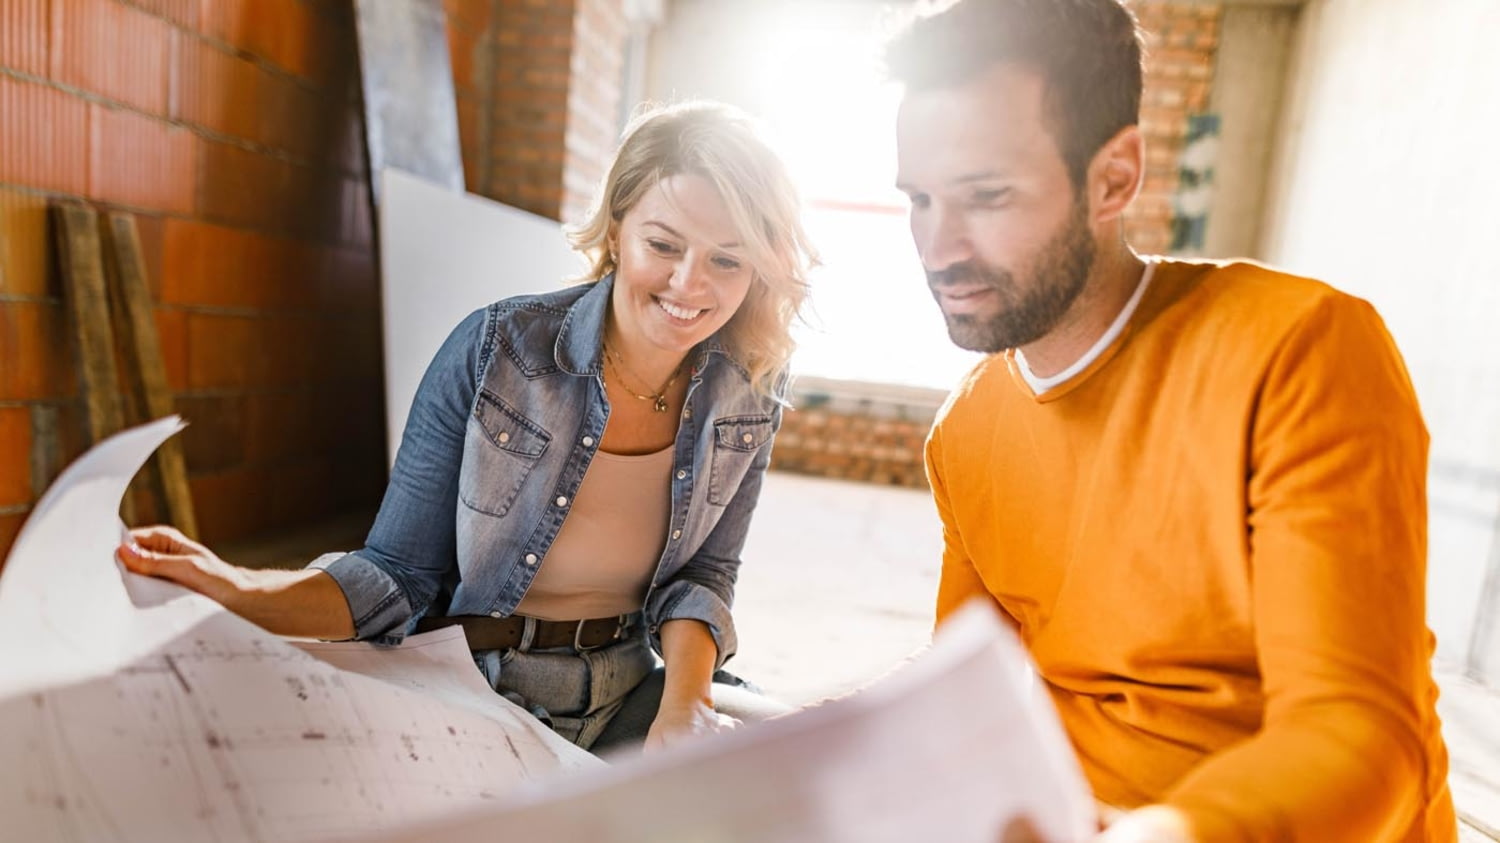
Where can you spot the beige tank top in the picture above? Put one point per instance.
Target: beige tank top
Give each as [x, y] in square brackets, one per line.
[606, 552]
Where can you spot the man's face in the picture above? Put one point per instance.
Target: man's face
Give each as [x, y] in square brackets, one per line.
[1002, 233]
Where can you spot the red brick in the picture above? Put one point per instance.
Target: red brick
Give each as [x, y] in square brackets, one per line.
[140, 161]
[181, 12]
[215, 436]
[238, 185]
[465, 56]
[347, 280]
[10, 527]
[231, 504]
[300, 120]
[171, 331]
[470, 15]
[283, 32]
[114, 50]
[223, 351]
[209, 265]
[43, 137]
[15, 456]
[37, 352]
[214, 89]
[25, 258]
[23, 36]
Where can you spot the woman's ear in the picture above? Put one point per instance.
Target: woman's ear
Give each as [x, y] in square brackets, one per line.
[1115, 175]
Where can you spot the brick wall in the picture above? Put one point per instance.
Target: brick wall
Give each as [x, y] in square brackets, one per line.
[231, 128]
[872, 433]
[1181, 40]
[538, 84]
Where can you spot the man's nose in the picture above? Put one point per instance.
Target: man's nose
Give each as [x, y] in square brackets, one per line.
[942, 239]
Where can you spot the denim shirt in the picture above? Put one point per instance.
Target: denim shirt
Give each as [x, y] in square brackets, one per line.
[501, 431]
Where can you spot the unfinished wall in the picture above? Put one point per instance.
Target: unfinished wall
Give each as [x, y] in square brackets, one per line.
[1182, 39]
[231, 128]
[1385, 184]
[725, 49]
[539, 88]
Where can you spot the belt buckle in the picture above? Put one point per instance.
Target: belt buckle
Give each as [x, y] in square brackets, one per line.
[578, 646]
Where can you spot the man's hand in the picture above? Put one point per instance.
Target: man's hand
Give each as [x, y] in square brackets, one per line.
[1151, 824]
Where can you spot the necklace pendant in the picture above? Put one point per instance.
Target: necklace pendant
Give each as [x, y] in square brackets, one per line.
[661, 404]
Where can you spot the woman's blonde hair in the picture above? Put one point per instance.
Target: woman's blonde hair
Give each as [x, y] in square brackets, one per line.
[723, 145]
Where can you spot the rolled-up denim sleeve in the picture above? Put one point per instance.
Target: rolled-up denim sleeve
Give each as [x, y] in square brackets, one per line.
[704, 589]
[411, 546]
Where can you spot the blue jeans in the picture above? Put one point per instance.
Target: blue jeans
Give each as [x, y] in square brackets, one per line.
[604, 699]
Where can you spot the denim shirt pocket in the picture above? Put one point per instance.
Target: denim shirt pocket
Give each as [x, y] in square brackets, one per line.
[736, 440]
[501, 446]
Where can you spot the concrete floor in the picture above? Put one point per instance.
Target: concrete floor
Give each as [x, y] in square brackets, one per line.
[837, 588]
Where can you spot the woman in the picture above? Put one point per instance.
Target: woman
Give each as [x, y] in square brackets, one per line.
[579, 468]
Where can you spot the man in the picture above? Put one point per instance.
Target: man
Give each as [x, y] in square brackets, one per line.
[1196, 490]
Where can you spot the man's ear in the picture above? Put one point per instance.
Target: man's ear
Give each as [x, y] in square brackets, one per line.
[1115, 175]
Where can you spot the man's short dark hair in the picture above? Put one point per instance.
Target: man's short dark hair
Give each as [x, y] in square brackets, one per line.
[1088, 53]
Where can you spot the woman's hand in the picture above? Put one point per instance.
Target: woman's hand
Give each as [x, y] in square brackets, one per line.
[166, 553]
[677, 720]
[307, 603]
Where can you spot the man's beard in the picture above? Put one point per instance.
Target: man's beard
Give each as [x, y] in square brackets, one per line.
[1058, 275]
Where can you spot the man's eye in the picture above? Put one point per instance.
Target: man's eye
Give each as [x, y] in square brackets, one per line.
[919, 200]
[661, 247]
[989, 196]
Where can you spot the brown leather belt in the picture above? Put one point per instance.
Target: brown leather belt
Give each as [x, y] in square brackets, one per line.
[487, 633]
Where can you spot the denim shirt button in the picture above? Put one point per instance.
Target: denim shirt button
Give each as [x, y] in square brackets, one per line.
[496, 615]
[588, 441]
[562, 500]
[687, 413]
[503, 437]
[748, 438]
[676, 534]
[681, 474]
[531, 559]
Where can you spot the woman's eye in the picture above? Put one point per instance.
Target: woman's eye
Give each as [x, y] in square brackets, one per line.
[661, 247]
[727, 264]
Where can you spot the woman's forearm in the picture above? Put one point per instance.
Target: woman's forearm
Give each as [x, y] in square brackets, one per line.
[307, 603]
[690, 654]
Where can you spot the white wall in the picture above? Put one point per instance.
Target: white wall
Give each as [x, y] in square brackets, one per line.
[1385, 184]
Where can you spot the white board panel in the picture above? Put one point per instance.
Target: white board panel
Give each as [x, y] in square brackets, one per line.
[442, 256]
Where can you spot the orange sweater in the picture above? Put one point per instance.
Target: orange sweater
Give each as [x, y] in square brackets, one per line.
[1213, 542]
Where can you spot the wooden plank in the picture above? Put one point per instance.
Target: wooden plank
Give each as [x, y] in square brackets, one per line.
[80, 261]
[146, 370]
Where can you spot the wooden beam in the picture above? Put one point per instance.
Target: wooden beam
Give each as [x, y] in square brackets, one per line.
[76, 230]
[145, 369]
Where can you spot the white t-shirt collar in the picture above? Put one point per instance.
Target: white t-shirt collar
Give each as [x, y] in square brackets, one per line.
[1040, 385]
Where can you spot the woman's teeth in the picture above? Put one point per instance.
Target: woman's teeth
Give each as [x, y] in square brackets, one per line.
[678, 312]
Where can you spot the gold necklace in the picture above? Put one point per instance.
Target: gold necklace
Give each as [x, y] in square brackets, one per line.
[659, 398]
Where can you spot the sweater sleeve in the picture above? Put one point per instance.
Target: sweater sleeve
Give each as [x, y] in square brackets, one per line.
[1337, 510]
[959, 580]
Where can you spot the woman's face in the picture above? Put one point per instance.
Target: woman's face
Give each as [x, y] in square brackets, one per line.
[682, 272]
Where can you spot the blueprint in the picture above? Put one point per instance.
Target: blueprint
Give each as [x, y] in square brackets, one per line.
[132, 709]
